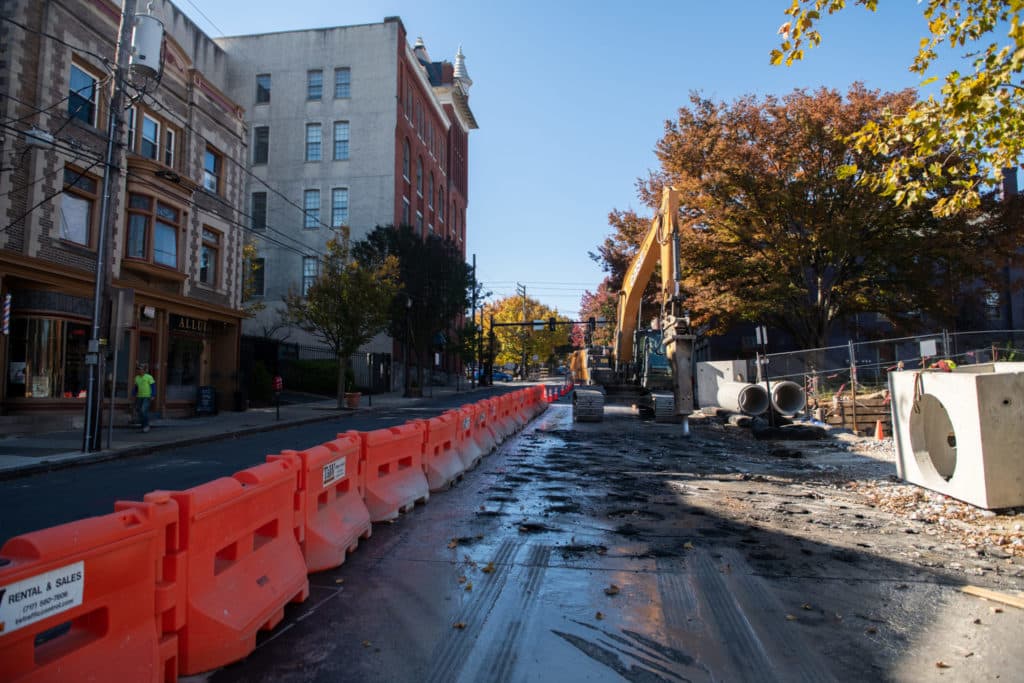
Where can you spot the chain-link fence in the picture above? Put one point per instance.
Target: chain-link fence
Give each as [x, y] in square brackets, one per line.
[866, 364]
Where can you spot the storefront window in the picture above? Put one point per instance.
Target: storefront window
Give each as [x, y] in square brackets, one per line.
[47, 358]
[183, 358]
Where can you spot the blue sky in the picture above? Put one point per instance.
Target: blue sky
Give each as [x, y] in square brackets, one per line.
[571, 98]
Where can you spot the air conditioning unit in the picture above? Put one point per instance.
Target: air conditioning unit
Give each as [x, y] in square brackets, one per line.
[960, 433]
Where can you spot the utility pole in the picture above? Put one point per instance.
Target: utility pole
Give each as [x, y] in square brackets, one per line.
[521, 289]
[475, 365]
[91, 438]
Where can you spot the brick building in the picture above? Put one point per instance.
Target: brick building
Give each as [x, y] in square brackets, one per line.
[348, 126]
[176, 242]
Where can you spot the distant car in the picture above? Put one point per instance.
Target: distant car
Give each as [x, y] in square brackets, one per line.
[501, 376]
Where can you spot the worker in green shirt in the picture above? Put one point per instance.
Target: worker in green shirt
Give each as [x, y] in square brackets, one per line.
[144, 393]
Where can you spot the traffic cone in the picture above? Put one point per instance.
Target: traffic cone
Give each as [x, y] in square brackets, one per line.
[879, 432]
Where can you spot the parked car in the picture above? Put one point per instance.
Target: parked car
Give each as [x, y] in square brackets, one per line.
[501, 376]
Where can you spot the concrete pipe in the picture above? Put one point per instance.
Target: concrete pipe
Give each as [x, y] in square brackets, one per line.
[750, 399]
[788, 398]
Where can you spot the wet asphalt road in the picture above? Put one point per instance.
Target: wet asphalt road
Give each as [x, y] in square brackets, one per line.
[617, 551]
[47, 499]
[553, 560]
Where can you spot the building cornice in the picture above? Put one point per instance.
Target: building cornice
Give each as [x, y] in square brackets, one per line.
[421, 74]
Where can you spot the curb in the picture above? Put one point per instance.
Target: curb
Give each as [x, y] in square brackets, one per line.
[116, 454]
[43, 466]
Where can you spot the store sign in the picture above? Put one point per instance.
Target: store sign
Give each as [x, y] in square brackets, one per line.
[183, 323]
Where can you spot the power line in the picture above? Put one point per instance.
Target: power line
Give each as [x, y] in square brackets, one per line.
[237, 163]
[208, 19]
[60, 145]
[36, 110]
[106, 60]
[192, 203]
[48, 198]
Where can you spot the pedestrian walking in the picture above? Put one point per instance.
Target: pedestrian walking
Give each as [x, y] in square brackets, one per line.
[144, 393]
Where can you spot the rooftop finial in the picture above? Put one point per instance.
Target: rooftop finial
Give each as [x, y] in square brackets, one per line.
[420, 50]
[460, 72]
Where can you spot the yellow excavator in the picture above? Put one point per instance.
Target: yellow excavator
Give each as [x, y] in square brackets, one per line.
[649, 367]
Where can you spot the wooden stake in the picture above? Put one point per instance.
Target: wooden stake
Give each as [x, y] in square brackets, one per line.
[996, 596]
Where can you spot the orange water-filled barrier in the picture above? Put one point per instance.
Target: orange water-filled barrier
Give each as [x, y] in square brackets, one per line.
[329, 500]
[441, 462]
[394, 470]
[92, 599]
[242, 562]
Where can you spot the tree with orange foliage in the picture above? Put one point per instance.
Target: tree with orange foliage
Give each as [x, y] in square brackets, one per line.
[772, 232]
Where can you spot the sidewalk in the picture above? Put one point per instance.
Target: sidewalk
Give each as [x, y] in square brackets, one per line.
[30, 454]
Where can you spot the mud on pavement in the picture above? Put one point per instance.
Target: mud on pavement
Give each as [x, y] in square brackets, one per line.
[622, 551]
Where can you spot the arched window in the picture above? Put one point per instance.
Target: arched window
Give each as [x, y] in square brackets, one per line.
[405, 160]
[440, 205]
[430, 192]
[419, 176]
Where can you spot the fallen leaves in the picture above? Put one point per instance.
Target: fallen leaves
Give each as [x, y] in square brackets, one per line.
[453, 544]
[790, 617]
[941, 664]
[977, 529]
[489, 568]
[459, 625]
[612, 590]
[599, 616]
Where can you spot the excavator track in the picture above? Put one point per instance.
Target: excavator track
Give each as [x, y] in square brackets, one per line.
[587, 405]
[664, 407]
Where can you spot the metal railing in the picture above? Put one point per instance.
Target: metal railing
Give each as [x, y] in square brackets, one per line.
[865, 365]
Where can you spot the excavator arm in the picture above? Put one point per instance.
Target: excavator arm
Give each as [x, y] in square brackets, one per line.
[660, 245]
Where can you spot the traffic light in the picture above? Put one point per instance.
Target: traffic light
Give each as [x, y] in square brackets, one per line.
[551, 324]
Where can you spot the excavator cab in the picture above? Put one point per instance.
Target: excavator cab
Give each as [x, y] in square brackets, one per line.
[652, 369]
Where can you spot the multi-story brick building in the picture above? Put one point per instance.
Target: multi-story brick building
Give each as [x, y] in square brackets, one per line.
[177, 238]
[349, 126]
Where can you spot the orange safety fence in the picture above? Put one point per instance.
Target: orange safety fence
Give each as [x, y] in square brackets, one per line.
[242, 562]
[394, 470]
[329, 500]
[468, 448]
[441, 462]
[93, 599]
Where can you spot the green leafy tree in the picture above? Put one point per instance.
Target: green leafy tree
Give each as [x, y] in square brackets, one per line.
[435, 286]
[952, 144]
[347, 305]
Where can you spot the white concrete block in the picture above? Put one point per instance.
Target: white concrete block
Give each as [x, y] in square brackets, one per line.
[961, 433]
[711, 374]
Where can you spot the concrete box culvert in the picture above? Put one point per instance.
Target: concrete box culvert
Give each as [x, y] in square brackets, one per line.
[959, 433]
[933, 438]
[788, 398]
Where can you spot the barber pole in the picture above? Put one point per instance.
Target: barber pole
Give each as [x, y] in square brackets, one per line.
[7, 314]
